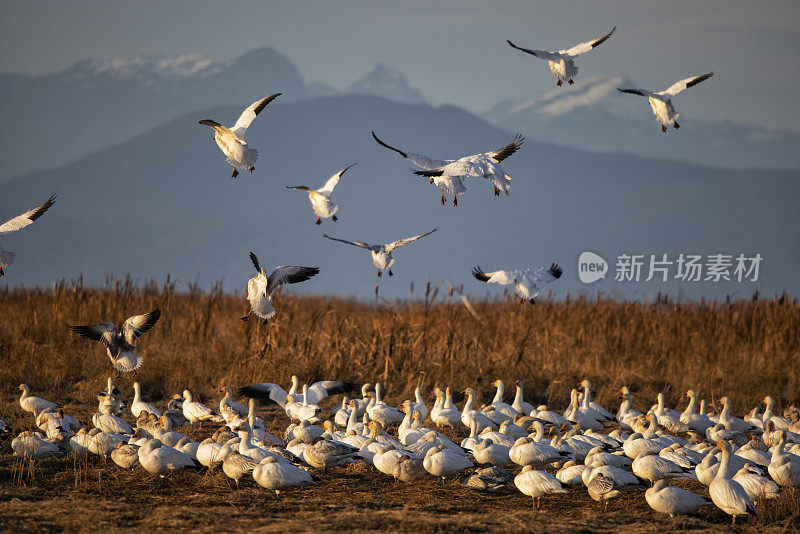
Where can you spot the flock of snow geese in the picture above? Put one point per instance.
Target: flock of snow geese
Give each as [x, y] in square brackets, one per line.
[740, 460]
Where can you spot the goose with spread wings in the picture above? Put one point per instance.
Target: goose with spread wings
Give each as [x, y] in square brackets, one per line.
[661, 102]
[382, 254]
[273, 393]
[121, 346]
[321, 198]
[525, 282]
[18, 223]
[562, 63]
[449, 174]
[231, 140]
[261, 287]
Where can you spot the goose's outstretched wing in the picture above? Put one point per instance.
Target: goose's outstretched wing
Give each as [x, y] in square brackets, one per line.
[266, 391]
[354, 243]
[250, 113]
[399, 243]
[682, 85]
[257, 265]
[640, 92]
[585, 47]
[423, 162]
[550, 274]
[289, 274]
[139, 324]
[501, 154]
[27, 218]
[319, 390]
[496, 277]
[541, 54]
[327, 189]
[106, 333]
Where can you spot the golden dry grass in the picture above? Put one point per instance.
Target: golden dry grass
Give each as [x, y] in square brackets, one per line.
[744, 349]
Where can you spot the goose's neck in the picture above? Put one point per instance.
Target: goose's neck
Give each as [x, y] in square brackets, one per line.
[538, 432]
[137, 396]
[305, 395]
[725, 413]
[650, 433]
[498, 396]
[517, 398]
[587, 395]
[473, 429]
[689, 411]
[351, 420]
[448, 399]
[723, 466]
[468, 404]
[418, 396]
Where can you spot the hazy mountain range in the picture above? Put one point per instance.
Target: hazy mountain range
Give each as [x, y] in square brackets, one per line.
[162, 202]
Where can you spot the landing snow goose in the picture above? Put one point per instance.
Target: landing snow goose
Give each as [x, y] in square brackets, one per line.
[261, 287]
[18, 223]
[31, 403]
[197, 412]
[382, 254]
[278, 476]
[321, 198]
[231, 140]
[121, 346]
[229, 408]
[524, 282]
[126, 456]
[756, 486]
[33, 445]
[537, 483]
[661, 102]
[449, 174]
[727, 494]
[671, 500]
[138, 406]
[307, 411]
[317, 391]
[562, 62]
[160, 459]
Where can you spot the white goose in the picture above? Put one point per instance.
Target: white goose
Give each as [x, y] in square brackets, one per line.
[231, 140]
[519, 403]
[229, 408]
[383, 413]
[31, 403]
[524, 282]
[18, 223]
[497, 401]
[727, 494]
[273, 393]
[782, 469]
[138, 406]
[537, 483]
[278, 476]
[756, 486]
[441, 462]
[197, 412]
[448, 414]
[562, 63]
[671, 500]
[111, 423]
[121, 346]
[160, 459]
[33, 445]
[261, 287]
[661, 103]
[468, 414]
[448, 174]
[321, 198]
[382, 254]
[700, 423]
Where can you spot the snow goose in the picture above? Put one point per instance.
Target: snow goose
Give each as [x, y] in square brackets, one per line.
[138, 406]
[625, 414]
[236, 465]
[782, 469]
[231, 140]
[321, 453]
[498, 437]
[661, 103]
[707, 469]
[718, 432]
[386, 459]
[756, 486]
[18, 223]
[305, 431]
[307, 411]
[121, 346]
[549, 416]
[211, 454]
[571, 473]
[562, 62]
[781, 423]
[230, 409]
[187, 446]
[104, 443]
[361, 404]
[668, 419]
[652, 467]
[695, 421]
[273, 393]
[111, 423]
[261, 287]
[591, 407]
[488, 479]
[342, 415]
[468, 414]
[488, 452]
[321, 198]
[620, 477]
[164, 433]
[497, 401]
[527, 452]
[671, 500]
[519, 403]
[278, 476]
[110, 400]
[126, 456]
[512, 430]
[441, 462]
[160, 459]
[383, 413]
[175, 411]
[33, 445]
[448, 414]
[382, 254]
[602, 489]
[733, 423]
[197, 412]
[419, 404]
[408, 469]
[524, 282]
[597, 457]
[727, 494]
[31, 403]
[537, 483]
[750, 452]
[584, 421]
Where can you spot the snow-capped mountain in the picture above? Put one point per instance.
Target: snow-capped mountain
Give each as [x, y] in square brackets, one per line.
[386, 83]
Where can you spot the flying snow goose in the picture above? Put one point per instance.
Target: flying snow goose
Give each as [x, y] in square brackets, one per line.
[261, 287]
[321, 198]
[18, 223]
[562, 63]
[448, 174]
[671, 500]
[31, 403]
[661, 103]
[524, 281]
[138, 406]
[231, 140]
[382, 254]
[727, 494]
[121, 346]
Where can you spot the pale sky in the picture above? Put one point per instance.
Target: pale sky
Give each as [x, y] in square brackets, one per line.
[453, 51]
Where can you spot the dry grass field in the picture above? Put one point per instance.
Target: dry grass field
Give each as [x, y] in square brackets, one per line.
[745, 349]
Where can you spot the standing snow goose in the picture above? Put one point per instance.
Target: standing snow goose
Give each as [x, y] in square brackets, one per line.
[448, 414]
[121, 346]
[18, 223]
[498, 403]
[700, 423]
[562, 63]
[733, 423]
[590, 406]
[448, 174]
[468, 414]
[661, 103]
[197, 412]
[229, 408]
[383, 413]
[602, 489]
[524, 281]
[321, 198]
[671, 500]
[519, 403]
[537, 483]
[236, 465]
[261, 287]
[231, 140]
[138, 406]
[382, 254]
[31, 403]
[727, 494]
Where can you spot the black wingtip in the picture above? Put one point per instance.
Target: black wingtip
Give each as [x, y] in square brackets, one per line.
[478, 273]
[556, 270]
